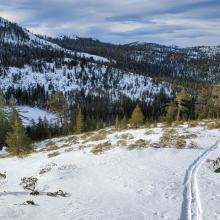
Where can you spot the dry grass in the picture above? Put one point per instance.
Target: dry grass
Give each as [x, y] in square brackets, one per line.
[171, 138]
[2, 156]
[54, 154]
[214, 124]
[82, 147]
[64, 145]
[193, 144]
[167, 137]
[73, 139]
[139, 144]
[70, 149]
[94, 136]
[87, 135]
[187, 135]
[193, 124]
[97, 137]
[50, 146]
[121, 142]
[100, 148]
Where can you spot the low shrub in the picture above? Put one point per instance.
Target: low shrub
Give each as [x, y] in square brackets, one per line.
[193, 144]
[193, 124]
[180, 142]
[214, 125]
[171, 138]
[149, 132]
[57, 193]
[121, 142]
[29, 202]
[140, 143]
[47, 168]
[86, 135]
[29, 183]
[69, 149]
[3, 175]
[217, 170]
[73, 140]
[50, 146]
[54, 154]
[64, 145]
[167, 138]
[99, 148]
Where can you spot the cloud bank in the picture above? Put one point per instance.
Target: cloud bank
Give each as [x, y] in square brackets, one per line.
[170, 22]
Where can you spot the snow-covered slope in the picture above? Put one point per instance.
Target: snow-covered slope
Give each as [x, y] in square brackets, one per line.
[30, 114]
[14, 34]
[143, 183]
[93, 80]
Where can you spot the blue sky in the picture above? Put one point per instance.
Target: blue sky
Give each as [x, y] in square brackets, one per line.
[169, 22]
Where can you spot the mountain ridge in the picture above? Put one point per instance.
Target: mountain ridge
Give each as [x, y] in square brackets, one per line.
[87, 71]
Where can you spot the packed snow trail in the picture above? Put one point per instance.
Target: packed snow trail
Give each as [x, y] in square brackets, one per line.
[191, 207]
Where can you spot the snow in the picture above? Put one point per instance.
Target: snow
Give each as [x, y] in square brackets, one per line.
[117, 184]
[94, 57]
[33, 40]
[63, 79]
[32, 114]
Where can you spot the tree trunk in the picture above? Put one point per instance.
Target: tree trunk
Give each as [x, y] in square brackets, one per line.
[178, 115]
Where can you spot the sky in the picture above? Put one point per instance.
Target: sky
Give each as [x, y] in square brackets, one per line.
[169, 22]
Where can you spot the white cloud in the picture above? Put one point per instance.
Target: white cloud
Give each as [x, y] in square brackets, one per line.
[170, 22]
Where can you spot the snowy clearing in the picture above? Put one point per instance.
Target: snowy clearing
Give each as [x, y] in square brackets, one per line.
[32, 114]
[115, 182]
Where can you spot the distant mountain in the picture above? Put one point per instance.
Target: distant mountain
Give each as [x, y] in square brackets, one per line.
[198, 64]
[95, 75]
[32, 67]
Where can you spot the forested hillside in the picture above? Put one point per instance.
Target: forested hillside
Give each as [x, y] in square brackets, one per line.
[105, 82]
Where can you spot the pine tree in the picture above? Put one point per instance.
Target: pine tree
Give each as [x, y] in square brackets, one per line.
[4, 125]
[181, 98]
[123, 123]
[216, 96]
[17, 141]
[13, 113]
[204, 105]
[58, 104]
[137, 117]
[79, 122]
[171, 110]
[117, 123]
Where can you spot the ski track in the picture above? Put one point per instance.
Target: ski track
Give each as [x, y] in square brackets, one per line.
[191, 206]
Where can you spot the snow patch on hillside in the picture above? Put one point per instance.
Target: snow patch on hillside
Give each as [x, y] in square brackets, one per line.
[32, 114]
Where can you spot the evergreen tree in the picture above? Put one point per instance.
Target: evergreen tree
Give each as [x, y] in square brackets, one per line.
[58, 104]
[117, 122]
[181, 99]
[79, 122]
[216, 96]
[204, 105]
[137, 117]
[17, 141]
[13, 113]
[171, 110]
[4, 125]
[123, 123]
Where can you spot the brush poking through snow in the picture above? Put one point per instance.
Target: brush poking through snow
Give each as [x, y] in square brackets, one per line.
[126, 179]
